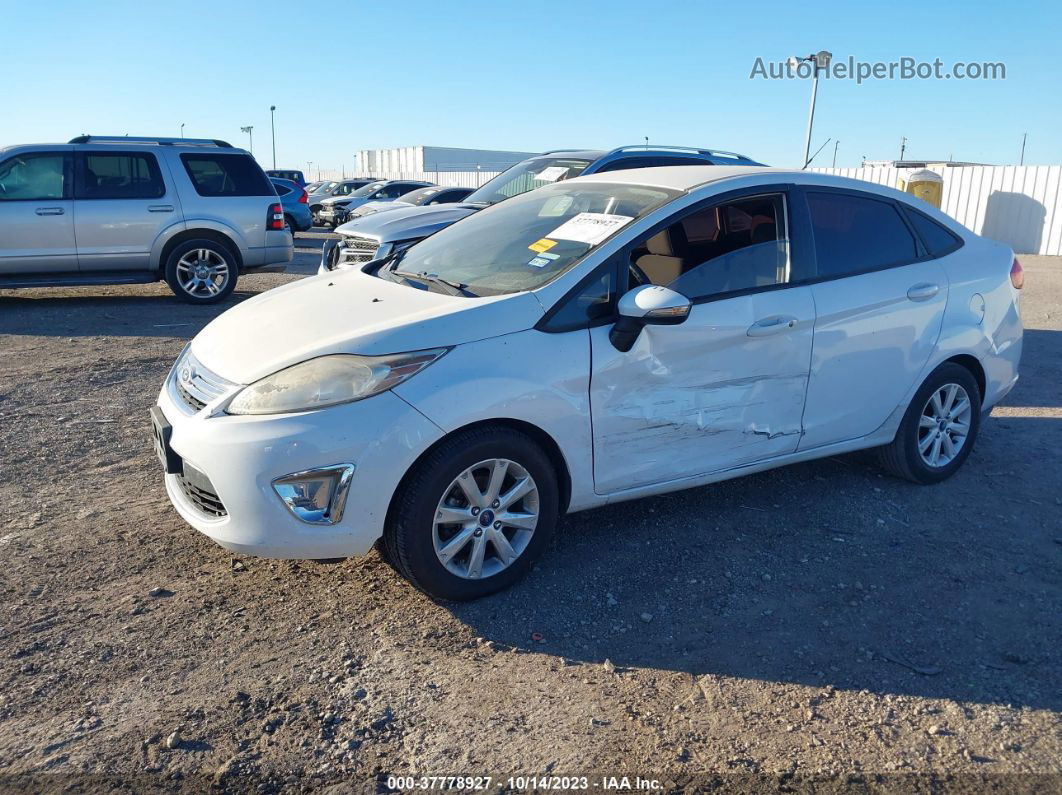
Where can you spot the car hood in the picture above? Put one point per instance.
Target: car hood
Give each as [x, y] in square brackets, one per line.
[350, 312]
[407, 223]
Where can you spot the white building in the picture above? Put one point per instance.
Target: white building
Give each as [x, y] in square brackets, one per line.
[434, 159]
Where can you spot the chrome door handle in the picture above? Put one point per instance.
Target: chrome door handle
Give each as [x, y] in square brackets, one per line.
[775, 324]
[160, 208]
[923, 292]
[49, 211]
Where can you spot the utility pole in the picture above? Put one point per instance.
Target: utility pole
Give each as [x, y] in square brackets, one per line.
[1022, 161]
[903, 146]
[818, 61]
[273, 129]
[835, 145]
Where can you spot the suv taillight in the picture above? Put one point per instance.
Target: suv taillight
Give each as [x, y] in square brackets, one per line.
[275, 218]
[1017, 275]
[303, 198]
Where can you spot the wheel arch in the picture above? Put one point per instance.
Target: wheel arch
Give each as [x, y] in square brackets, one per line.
[537, 435]
[973, 364]
[198, 233]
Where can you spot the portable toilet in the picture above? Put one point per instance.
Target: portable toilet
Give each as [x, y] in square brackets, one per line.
[925, 184]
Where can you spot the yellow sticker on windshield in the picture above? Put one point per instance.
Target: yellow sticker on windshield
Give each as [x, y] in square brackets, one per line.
[545, 244]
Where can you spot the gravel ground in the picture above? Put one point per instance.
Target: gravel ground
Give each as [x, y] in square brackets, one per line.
[820, 626]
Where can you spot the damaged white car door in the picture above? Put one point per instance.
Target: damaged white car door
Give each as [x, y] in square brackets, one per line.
[726, 386]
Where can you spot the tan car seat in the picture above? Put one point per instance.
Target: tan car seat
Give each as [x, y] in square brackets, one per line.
[660, 264]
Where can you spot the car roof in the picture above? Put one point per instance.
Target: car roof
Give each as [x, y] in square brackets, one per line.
[283, 181]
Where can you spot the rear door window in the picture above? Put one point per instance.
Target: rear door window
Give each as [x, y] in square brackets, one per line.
[226, 175]
[855, 234]
[118, 175]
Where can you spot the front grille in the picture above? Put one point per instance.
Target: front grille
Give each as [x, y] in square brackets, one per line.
[356, 250]
[195, 385]
[190, 400]
[199, 491]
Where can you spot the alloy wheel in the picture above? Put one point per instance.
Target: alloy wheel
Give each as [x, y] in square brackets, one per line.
[486, 518]
[202, 272]
[944, 425]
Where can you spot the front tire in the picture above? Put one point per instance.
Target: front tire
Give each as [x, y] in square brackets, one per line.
[474, 514]
[938, 430]
[201, 271]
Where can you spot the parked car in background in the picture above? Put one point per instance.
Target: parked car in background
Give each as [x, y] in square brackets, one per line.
[335, 188]
[379, 191]
[288, 174]
[365, 239]
[125, 210]
[313, 186]
[429, 196]
[596, 340]
[297, 217]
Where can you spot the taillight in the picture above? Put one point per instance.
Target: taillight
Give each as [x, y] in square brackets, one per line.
[1017, 275]
[304, 197]
[275, 218]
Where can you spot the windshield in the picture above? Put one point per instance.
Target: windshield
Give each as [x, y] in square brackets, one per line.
[528, 175]
[324, 187]
[419, 196]
[530, 240]
[372, 187]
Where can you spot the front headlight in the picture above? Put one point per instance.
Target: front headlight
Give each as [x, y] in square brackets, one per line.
[328, 381]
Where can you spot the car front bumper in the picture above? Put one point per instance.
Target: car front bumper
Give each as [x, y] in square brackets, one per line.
[232, 462]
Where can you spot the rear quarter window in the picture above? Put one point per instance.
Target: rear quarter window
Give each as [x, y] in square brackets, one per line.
[938, 240]
[226, 175]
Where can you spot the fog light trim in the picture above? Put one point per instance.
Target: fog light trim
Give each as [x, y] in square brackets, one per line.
[316, 496]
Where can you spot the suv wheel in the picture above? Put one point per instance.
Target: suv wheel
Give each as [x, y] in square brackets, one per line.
[473, 515]
[939, 429]
[289, 224]
[201, 271]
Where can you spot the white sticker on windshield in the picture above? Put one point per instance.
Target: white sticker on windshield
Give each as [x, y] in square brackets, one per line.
[590, 228]
[551, 174]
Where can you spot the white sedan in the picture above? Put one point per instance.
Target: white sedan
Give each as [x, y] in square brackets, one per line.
[600, 339]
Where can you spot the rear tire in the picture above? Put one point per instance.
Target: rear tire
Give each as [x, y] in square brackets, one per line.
[202, 271]
[456, 482]
[938, 430]
[289, 224]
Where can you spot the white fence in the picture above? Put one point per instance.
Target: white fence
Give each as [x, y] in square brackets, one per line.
[1017, 205]
[456, 179]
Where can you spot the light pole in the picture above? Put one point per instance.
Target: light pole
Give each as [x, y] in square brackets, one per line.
[250, 135]
[1022, 161]
[182, 129]
[819, 60]
[835, 145]
[308, 164]
[903, 145]
[273, 130]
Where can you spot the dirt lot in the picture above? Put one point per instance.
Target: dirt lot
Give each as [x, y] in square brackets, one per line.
[822, 620]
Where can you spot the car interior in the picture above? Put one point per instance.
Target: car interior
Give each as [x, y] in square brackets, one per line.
[723, 248]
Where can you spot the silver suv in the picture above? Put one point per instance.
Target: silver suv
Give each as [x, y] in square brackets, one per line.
[120, 210]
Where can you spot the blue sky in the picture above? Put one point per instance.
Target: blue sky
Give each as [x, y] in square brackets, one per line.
[530, 76]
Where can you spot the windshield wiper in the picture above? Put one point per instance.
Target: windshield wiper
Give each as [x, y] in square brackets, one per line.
[453, 288]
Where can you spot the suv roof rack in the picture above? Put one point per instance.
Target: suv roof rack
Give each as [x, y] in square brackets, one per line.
[696, 149]
[129, 139]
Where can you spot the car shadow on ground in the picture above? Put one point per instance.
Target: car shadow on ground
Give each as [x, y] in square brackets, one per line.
[813, 575]
[154, 313]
